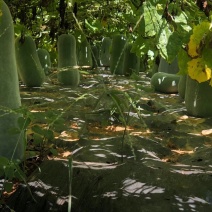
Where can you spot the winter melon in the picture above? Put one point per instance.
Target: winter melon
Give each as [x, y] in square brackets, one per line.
[95, 56]
[69, 77]
[198, 98]
[45, 60]
[11, 144]
[117, 55]
[66, 47]
[165, 83]
[105, 51]
[84, 54]
[131, 61]
[182, 86]
[171, 68]
[29, 66]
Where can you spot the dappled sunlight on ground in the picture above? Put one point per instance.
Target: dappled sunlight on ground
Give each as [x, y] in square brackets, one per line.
[130, 145]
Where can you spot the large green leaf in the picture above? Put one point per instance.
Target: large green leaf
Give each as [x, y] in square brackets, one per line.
[151, 22]
[169, 43]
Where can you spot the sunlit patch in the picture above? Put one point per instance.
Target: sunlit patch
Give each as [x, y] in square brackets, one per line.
[94, 165]
[66, 154]
[182, 152]
[69, 136]
[133, 187]
[207, 132]
[111, 194]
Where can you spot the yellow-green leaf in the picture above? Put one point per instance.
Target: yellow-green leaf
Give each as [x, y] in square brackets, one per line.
[198, 70]
[199, 33]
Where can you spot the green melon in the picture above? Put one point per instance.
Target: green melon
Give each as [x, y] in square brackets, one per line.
[84, 54]
[182, 86]
[66, 47]
[11, 145]
[131, 61]
[29, 66]
[198, 98]
[45, 60]
[117, 55]
[69, 77]
[105, 51]
[165, 83]
[168, 68]
[95, 56]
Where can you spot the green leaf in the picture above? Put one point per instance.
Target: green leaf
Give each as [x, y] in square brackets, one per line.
[3, 161]
[54, 151]
[37, 129]
[207, 51]
[183, 59]
[9, 171]
[23, 123]
[48, 134]
[37, 139]
[169, 44]
[151, 22]
[141, 46]
[8, 187]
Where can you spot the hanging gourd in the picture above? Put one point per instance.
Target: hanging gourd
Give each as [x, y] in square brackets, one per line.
[45, 60]
[11, 144]
[117, 55]
[131, 61]
[29, 66]
[105, 51]
[66, 47]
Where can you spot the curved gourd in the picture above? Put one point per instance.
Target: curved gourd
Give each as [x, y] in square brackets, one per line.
[171, 68]
[165, 83]
[117, 55]
[29, 66]
[131, 61]
[105, 51]
[198, 98]
[66, 47]
[45, 60]
[11, 145]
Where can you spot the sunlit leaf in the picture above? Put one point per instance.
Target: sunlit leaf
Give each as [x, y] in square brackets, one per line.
[169, 44]
[151, 23]
[199, 33]
[197, 70]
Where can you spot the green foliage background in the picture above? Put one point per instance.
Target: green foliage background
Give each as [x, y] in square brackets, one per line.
[160, 26]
